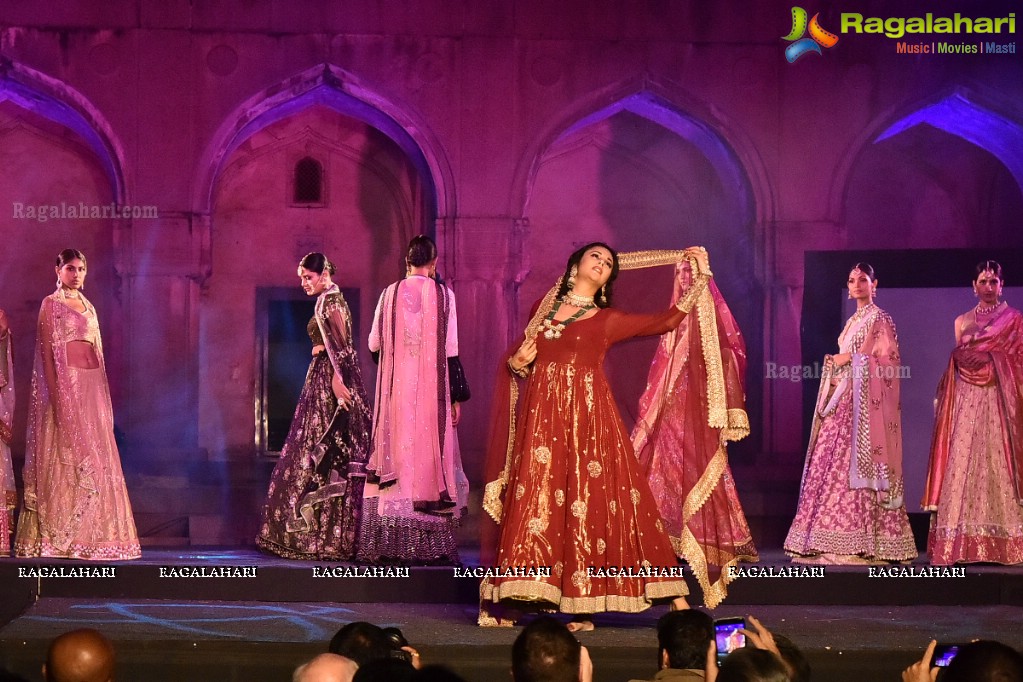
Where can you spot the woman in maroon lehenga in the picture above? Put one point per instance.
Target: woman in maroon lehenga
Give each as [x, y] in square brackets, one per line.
[975, 478]
[851, 507]
[315, 498]
[564, 483]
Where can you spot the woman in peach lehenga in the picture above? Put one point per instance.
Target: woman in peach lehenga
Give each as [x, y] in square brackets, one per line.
[851, 507]
[975, 479]
[76, 503]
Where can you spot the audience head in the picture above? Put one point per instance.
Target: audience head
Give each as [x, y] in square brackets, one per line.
[792, 656]
[326, 668]
[360, 641]
[683, 638]
[437, 673]
[545, 651]
[985, 661]
[79, 656]
[385, 670]
[752, 665]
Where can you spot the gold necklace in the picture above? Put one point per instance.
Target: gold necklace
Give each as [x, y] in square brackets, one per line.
[578, 301]
[987, 310]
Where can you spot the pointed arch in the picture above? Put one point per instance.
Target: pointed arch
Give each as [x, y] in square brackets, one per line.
[980, 118]
[725, 145]
[58, 102]
[331, 87]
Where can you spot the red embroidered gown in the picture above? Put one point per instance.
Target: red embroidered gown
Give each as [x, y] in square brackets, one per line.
[575, 498]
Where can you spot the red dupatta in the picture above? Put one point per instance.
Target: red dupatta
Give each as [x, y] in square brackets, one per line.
[1002, 341]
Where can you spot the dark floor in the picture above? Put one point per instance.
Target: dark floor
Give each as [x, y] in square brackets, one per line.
[183, 638]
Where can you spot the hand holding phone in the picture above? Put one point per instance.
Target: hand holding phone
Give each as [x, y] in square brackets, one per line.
[729, 636]
[943, 654]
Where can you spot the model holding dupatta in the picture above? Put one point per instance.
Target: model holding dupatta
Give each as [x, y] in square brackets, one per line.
[563, 481]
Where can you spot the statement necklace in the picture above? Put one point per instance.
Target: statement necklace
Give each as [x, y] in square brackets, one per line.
[552, 329]
[70, 293]
[578, 301]
[987, 310]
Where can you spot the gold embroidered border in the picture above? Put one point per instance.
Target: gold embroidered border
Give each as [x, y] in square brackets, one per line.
[717, 414]
[687, 545]
[534, 591]
[635, 260]
[493, 490]
[738, 425]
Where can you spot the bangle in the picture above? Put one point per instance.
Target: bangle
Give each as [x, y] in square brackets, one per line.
[521, 371]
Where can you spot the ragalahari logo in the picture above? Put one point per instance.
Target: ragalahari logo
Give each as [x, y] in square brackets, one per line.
[818, 36]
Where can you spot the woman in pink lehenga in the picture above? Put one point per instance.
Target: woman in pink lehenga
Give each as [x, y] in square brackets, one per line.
[975, 478]
[851, 506]
[76, 503]
[415, 488]
[8, 492]
[694, 404]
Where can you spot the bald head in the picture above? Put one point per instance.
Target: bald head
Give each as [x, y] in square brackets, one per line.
[80, 656]
[326, 668]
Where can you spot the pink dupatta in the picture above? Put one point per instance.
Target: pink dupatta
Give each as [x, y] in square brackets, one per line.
[693, 406]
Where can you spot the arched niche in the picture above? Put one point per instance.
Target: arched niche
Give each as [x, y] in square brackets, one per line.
[946, 174]
[642, 173]
[59, 167]
[376, 196]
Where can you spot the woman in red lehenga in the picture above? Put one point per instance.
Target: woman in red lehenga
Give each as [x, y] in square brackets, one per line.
[7, 490]
[695, 402]
[851, 507]
[975, 478]
[564, 483]
[76, 502]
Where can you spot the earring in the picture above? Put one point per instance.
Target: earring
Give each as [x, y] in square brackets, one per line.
[873, 292]
[849, 295]
[571, 276]
[601, 297]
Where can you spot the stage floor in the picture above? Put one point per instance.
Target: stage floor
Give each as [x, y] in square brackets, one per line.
[172, 629]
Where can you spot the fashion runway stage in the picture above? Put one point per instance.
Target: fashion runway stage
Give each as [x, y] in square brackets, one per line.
[192, 615]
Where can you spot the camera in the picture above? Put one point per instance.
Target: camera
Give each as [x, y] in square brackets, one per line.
[397, 640]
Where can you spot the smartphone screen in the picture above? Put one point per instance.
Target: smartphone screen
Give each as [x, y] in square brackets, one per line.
[944, 653]
[728, 636]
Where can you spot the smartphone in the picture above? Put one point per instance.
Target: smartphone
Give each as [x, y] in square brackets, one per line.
[943, 654]
[728, 636]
